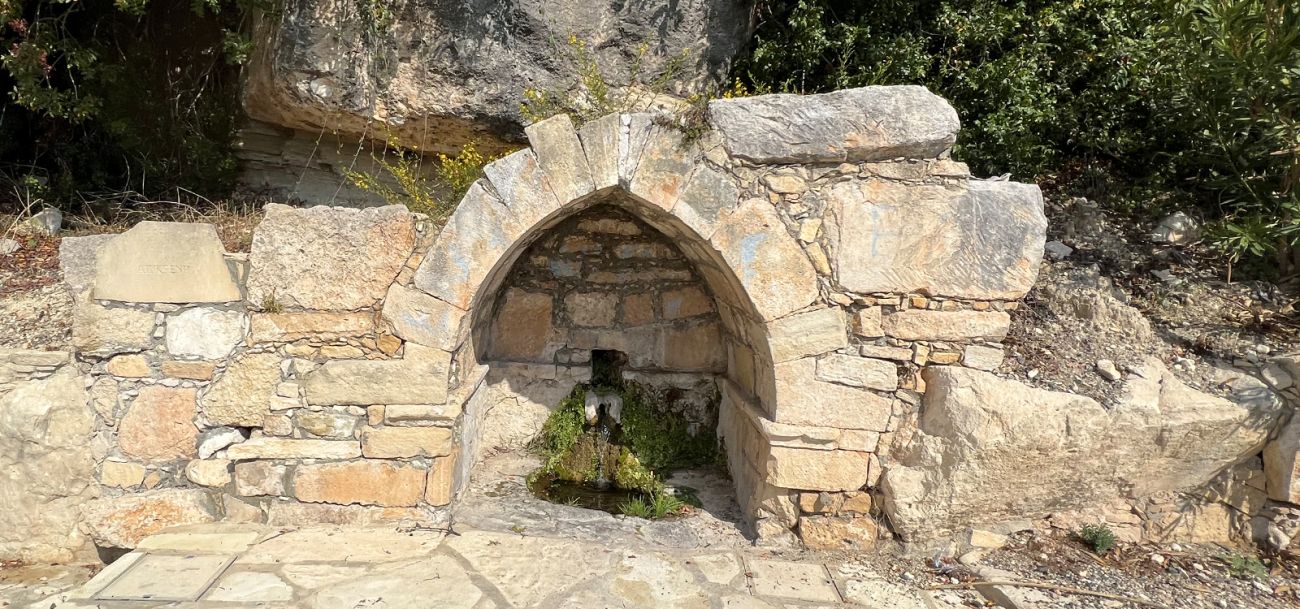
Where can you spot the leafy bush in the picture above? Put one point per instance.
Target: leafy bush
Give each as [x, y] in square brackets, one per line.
[1180, 101]
[129, 95]
[1099, 536]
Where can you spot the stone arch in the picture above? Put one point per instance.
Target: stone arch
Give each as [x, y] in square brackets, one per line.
[841, 245]
[754, 268]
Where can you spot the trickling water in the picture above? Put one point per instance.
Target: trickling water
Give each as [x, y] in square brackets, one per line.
[603, 433]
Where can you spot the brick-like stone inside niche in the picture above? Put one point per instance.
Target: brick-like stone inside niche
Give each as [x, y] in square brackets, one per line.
[603, 279]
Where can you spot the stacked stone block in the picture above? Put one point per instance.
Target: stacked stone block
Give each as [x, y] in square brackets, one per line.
[809, 259]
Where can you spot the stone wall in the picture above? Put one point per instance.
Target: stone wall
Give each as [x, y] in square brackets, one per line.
[20, 366]
[820, 259]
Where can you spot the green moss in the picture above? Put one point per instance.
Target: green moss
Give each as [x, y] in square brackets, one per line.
[631, 473]
[651, 444]
[662, 443]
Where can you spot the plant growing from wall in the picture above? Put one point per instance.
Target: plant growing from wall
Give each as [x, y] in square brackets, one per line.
[592, 94]
[404, 179]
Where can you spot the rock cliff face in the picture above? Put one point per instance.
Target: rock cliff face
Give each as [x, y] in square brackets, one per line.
[438, 73]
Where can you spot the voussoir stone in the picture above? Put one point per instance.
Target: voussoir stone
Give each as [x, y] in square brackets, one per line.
[559, 151]
[418, 378]
[205, 333]
[121, 522]
[159, 425]
[709, 196]
[241, 396]
[328, 258]
[922, 324]
[864, 124]
[420, 318]
[663, 167]
[773, 269]
[478, 234]
[175, 262]
[381, 483]
[523, 187]
[975, 239]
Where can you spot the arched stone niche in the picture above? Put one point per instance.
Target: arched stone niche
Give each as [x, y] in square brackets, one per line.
[842, 253]
[670, 194]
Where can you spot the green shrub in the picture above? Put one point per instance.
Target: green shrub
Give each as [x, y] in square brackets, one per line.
[1098, 536]
[1165, 103]
[131, 96]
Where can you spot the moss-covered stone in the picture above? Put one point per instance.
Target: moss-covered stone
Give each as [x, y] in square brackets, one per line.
[638, 454]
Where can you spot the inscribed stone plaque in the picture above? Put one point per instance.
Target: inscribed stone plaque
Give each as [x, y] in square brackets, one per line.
[165, 262]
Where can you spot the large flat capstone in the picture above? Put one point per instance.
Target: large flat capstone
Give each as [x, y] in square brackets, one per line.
[978, 240]
[165, 262]
[864, 124]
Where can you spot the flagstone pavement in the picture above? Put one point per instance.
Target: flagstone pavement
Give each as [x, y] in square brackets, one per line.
[255, 566]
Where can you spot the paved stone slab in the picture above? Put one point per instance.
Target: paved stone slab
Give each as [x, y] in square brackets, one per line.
[339, 544]
[250, 587]
[882, 594]
[654, 579]
[312, 576]
[166, 577]
[434, 582]
[527, 569]
[791, 580]
[720, 569]
[217, 538]
[165, 262]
